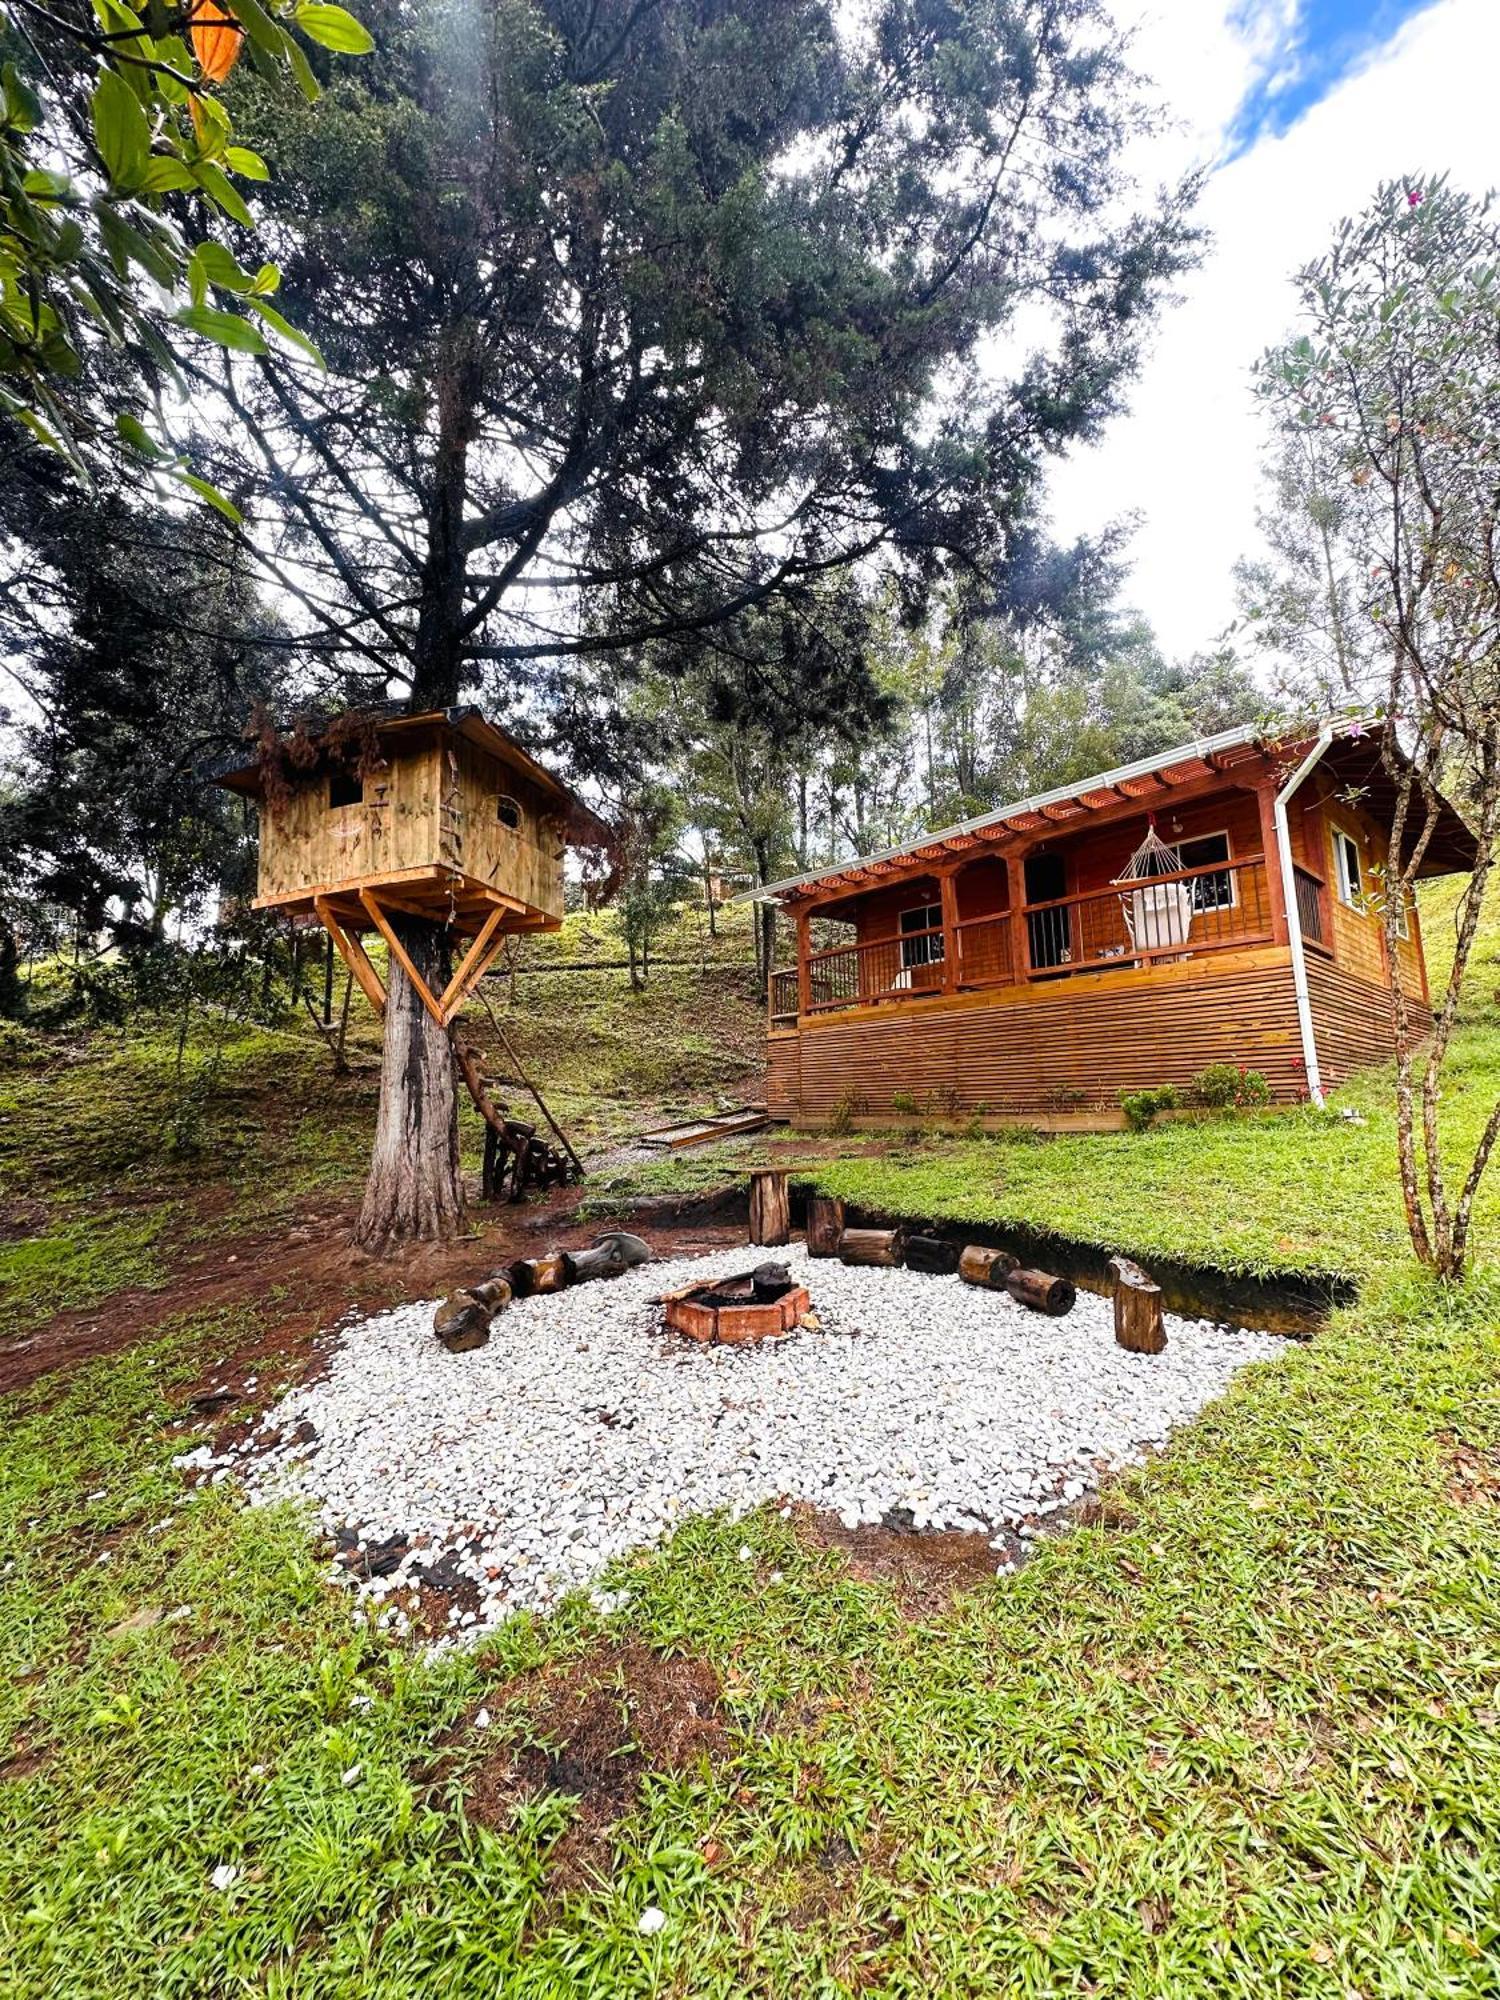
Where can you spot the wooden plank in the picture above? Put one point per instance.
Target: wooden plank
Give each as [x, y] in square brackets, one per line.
[353, 954]
[399, 952]
[473, 965]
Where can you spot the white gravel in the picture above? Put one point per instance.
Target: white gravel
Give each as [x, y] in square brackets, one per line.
[583, 1430]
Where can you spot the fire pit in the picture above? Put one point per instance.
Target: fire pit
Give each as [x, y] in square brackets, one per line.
[762, 1304]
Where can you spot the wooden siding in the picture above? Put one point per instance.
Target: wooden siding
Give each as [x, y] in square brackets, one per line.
[307, 844]
[1351, 1020]
[525, 862]
[1030, 1049]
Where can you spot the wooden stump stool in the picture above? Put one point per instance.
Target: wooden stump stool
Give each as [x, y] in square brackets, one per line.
[770, 1207]
[1138, 1318]
[825, 1225]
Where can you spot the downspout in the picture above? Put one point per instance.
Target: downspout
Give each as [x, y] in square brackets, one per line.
[1293, 915]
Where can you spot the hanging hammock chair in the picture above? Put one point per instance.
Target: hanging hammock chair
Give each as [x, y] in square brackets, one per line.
[1158, 915]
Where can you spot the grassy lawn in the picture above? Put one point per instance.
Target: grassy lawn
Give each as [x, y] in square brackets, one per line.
[1240, 1736]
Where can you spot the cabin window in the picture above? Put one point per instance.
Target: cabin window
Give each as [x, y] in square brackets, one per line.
[1209, 892]
[345, 788]
[508, 812]
[917, 949]
[1346, 868]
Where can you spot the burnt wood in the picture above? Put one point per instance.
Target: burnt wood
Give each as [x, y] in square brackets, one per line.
[933, 1255]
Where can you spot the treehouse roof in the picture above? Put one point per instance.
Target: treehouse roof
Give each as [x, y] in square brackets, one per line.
[402, 731]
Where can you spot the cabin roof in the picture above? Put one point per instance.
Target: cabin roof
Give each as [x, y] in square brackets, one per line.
[585, 828]
[1353, 751]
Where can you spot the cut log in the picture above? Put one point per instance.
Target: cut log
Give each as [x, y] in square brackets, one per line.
[610, 1254]
[1138, 1316]
[825, 1225]
[933, 1255]
[870, 1246]
[462, 1322]
[1041, 1291]
[768, 1281]
[531, 1275]
[770, 1207]
[990, 1268]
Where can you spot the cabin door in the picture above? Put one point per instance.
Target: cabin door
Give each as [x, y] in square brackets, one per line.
[1048, 933]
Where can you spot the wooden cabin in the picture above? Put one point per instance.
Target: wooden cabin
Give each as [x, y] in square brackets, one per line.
[1013, 967]
[438, 815]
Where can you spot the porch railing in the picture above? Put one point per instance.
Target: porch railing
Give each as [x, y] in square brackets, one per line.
[1164, 917]
[1182, 915]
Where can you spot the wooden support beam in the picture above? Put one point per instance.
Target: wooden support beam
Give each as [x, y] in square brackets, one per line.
[948, 891]
[353, 954]
[804, 961]
[399, 952]
[472, 967]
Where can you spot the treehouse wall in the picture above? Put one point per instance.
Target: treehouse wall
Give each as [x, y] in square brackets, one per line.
[307, 844]
[524, 860]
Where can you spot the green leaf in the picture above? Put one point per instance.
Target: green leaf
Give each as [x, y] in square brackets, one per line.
[227, 328]
[219, 267]
[259, 26]
[307, 83]
[165, 174]
[216, 184]
[120, 129]
[210, 493]
[287, 331]
[136, 435]
[127, 245]
[334, 28]
[267, 280]
[241, 160]
[23, 108]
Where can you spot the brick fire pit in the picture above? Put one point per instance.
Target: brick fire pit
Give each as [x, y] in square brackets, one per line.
[763, 1304]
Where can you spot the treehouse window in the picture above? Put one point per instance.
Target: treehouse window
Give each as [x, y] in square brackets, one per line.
[345, 788]
[917, 949]
[1209, 892]
[508, 812]
[1346, 867]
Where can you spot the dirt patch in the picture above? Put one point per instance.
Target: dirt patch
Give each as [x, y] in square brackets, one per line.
[1473, 1473]
[595, 1729]
[316, 1276]
[927, 1568]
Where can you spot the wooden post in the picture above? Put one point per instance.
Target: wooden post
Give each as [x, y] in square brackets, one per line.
[870, 1246]
[770, 1207]
[804, 963]
[1138, 1320]
[1020, 955]
[948, 891]
[825, 1225]
[1275, 888]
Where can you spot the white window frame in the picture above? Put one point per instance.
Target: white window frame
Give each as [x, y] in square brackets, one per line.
[933, 949]
[1201, 882]
[1351, 892]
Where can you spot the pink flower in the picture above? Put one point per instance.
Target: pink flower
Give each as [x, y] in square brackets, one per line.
[1414, 198]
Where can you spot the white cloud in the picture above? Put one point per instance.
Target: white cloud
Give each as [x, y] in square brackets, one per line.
[1187, 456]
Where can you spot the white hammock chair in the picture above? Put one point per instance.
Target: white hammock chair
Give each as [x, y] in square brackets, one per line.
[1158, 915]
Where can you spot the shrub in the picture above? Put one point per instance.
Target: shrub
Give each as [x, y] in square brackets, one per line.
[1141, 1107]
[845, 1108]
[905, 1104]
[1223, 1086]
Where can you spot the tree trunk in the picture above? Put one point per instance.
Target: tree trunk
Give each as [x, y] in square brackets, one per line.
[770, 1207]
[414, 1191]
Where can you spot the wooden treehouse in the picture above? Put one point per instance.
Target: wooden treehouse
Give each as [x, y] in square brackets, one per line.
[1219, 903]
[440, 816]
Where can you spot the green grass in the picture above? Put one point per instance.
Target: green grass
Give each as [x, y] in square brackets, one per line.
[1242, 1740]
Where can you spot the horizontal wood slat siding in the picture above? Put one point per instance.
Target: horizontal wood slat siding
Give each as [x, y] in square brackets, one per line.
[1018, 1058]
[1352, 1020]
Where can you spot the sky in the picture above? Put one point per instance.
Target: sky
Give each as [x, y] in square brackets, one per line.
[1297, 108]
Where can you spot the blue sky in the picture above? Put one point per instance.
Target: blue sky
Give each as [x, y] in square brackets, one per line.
[1299, 108]
[1309, 57]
